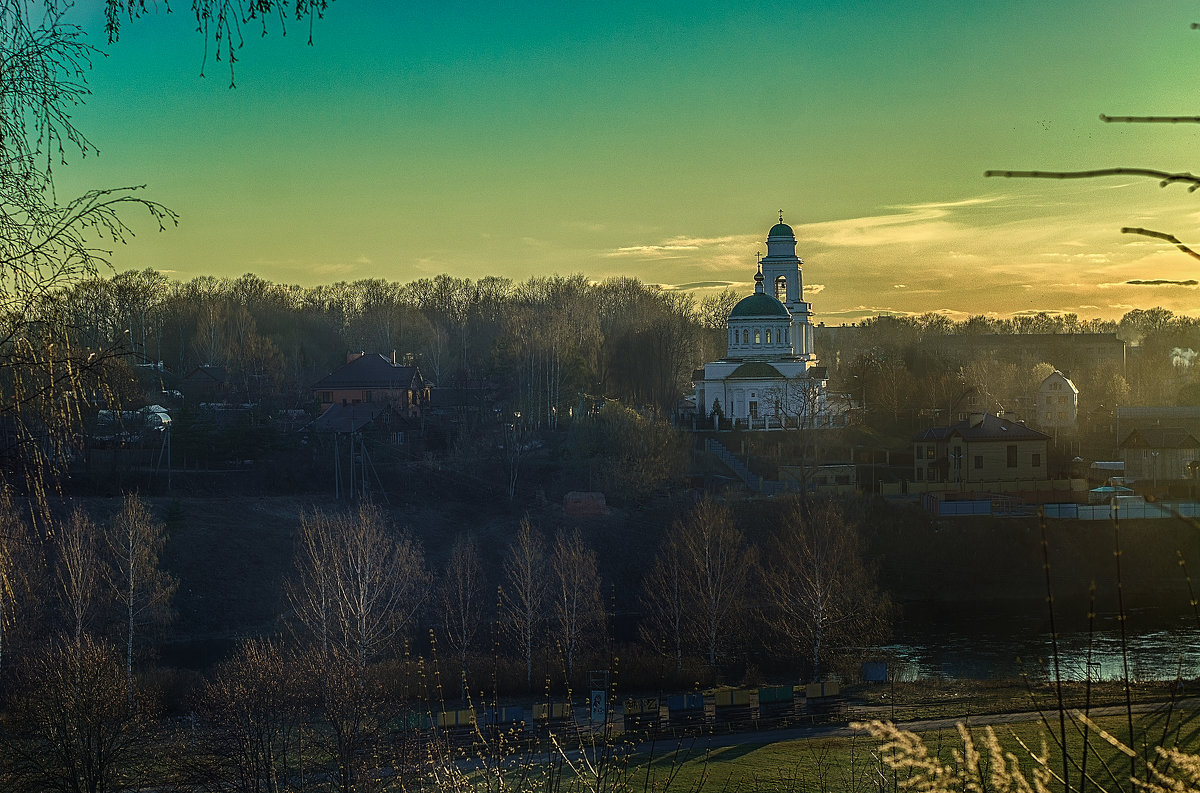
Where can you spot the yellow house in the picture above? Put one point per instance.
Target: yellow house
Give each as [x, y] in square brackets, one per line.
[981, 449]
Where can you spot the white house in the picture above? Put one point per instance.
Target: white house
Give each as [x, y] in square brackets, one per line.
[1057, 404]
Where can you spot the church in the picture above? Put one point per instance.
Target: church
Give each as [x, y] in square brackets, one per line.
[769, 378]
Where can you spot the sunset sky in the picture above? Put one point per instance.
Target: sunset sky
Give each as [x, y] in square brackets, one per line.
[660, 140]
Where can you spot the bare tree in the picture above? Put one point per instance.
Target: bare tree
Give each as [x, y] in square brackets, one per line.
[576, 602]
[74, 729]
[523, 596]
[818, 591]
[358, 585]
[665, 601]
[79, 572]
[460, 599]
[16, 563]
[250, 722]
[718, 565]
[142, 588]
[360, 582]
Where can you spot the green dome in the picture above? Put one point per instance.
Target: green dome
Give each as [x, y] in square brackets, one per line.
[754, 369]
[781, 230]
[759, 305]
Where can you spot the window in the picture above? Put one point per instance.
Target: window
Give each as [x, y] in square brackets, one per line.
[768, 335]
[786, 336]
[920, 474]
[1037, 461]
[978, 461]
[757, 337]
[366, 397]
[326, 397]
[781, 289]
[1055, 386]
[745, 337]
[930, 451]
[1012, 456]
[958, 455]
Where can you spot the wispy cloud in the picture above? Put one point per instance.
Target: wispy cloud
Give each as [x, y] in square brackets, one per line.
[1164, 282]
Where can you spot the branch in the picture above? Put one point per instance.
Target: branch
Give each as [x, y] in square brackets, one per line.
[1164, 177]
[1171, 238]
[1151, 119]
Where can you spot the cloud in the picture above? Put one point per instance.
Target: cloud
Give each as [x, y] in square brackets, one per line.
[899, 286]
[699, 285]
[653, 251]
[1164, 282]
[814, 289]
[334, 268]
[681, 246]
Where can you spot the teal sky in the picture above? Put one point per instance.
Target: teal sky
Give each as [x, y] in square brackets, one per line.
[659, 140]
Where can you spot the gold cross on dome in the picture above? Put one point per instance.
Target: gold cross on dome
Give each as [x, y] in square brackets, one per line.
[781, 216]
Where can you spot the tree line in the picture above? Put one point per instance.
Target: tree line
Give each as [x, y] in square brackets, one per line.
[373, 636]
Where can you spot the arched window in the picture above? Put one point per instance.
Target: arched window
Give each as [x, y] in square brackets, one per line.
[768, 335]
[745, 337]
[781, 289]
[787, 336]
[757, 336]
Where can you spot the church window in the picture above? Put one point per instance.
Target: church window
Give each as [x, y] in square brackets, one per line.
[745, 337]
[786, 336]
[781, 289]
[757, 336]
[768, 335]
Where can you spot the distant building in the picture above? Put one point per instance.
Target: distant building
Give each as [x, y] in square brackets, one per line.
[769, 378]
[1057, 404]
[1160, 454]
[981, 449]
[374, 378]
[1136, 417]
[205, 384]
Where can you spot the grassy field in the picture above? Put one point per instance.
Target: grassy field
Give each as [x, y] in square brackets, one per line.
[855, 764]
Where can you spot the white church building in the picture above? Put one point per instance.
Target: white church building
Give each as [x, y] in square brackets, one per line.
[769, 377]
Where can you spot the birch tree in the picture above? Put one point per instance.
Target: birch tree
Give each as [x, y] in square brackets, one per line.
[665, 602]
[717, 565]
[78, 572]
[819, 593]
[523, 595]
[460, 599]
[141, 587]
[359, 584]
[576, 603]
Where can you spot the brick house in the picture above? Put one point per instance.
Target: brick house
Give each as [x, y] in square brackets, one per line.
[374, 378]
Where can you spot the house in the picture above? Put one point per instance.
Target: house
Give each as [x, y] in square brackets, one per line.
[980, 449]
[1160, 454]
[374, 378]
[1057, 404]
[205, 384]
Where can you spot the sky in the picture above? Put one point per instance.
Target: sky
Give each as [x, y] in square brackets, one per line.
[661, 139]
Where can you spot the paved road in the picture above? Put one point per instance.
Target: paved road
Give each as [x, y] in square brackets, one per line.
[764, 737]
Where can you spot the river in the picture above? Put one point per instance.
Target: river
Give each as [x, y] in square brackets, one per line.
[989, 643]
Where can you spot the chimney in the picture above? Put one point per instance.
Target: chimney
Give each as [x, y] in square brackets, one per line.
[354, 356]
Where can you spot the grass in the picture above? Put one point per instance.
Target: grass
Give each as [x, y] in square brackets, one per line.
[852, 764]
